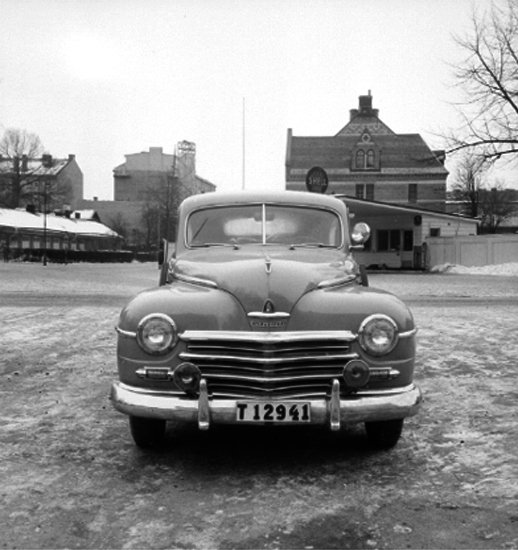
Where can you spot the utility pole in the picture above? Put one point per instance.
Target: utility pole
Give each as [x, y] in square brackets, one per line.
[244, 151]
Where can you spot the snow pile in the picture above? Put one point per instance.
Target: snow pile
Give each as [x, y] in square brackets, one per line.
[506, 270]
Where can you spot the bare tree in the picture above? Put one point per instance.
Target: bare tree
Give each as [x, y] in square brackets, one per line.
[25, 178]
[119, 224]
[17, 143]
[488, 78]
[469, 180]
[496, 206]
[160, 212]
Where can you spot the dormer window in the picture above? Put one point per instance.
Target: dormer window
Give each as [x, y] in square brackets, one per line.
[366, 154]
[365, 159]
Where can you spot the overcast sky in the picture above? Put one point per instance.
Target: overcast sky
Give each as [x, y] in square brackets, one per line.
[105, 78]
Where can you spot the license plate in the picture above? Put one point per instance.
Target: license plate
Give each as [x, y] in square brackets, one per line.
[286, 411]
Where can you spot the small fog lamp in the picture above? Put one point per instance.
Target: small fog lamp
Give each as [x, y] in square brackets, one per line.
[187, 377]
[356, 373]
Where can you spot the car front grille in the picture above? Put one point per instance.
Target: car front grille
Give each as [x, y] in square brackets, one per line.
[279, 365]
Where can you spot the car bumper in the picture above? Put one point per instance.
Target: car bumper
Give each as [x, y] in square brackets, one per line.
[332, 411]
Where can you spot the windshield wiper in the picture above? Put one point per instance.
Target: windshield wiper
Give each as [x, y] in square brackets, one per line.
[311, 245]
[208, 245]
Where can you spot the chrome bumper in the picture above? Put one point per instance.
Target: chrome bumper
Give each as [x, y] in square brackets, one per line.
[331, 411]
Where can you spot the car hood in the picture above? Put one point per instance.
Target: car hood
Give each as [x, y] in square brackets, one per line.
[257, 275]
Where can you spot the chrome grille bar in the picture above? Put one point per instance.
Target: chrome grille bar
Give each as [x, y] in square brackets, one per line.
[266, 360]
[272, 364]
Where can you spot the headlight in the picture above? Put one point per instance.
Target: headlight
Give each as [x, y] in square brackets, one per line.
[156, 333]
[378, 334]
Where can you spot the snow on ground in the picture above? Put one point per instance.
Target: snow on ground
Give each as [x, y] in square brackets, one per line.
[506, 270]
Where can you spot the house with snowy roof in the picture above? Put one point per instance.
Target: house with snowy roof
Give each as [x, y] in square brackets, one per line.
[27, 232]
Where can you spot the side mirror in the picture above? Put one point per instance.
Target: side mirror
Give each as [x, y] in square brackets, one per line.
[360, 235]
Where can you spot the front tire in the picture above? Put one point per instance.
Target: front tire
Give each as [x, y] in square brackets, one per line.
[147, 432]
[384, 434]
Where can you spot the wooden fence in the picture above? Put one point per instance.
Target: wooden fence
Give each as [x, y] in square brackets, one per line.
[472, 251]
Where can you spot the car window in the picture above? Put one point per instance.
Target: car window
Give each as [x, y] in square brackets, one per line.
[263, 224]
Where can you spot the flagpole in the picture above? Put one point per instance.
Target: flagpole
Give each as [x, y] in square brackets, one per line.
[244, 151]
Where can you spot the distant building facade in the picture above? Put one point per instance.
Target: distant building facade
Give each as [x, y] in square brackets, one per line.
[147, 181]
[64, 173]
[367, 160]
[142, 171]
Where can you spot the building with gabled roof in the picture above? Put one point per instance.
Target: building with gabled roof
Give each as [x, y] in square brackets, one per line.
[65, 172]
[367, 159]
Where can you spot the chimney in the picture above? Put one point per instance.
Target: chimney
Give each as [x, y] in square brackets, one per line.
[31, 209]
[366, 105]
[46, 160]
[71, 157]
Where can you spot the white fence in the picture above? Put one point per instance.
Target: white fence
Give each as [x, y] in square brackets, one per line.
[473, 251]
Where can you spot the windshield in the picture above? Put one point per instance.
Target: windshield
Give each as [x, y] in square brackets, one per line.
[263, 224]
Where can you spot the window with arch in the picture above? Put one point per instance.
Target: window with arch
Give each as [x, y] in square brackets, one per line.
[360, 158]
[365, 159]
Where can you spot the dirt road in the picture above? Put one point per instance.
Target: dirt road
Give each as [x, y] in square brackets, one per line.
[72, 478]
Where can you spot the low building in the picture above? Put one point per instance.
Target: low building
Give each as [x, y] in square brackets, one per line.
[399, 233]
[25, 232]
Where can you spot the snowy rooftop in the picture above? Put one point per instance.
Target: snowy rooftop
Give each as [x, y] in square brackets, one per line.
[21, 219]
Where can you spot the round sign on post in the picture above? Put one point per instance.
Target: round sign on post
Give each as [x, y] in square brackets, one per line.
[317, 180]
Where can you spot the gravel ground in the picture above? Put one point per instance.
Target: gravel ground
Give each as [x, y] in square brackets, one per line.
[72, 478]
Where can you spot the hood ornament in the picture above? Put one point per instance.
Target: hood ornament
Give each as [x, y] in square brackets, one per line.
[268, 307]
[268, 264]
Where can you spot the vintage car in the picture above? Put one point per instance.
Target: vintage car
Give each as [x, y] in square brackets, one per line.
[262, 316]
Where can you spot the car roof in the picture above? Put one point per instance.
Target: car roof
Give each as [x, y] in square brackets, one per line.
[246, 197]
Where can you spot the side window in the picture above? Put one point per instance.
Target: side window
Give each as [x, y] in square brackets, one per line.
[360, 159]
[412, 192]
[435, 231]
[383, 240]
[389, 240]
[359, 191]
[395, 239]
[370, 191]
[408, 241]
[370, 158]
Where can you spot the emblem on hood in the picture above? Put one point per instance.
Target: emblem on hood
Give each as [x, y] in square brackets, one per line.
[268, 318]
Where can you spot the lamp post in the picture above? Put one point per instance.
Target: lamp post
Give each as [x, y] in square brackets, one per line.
[45, 223]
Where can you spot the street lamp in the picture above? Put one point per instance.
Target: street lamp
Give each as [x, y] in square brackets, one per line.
[45, 223]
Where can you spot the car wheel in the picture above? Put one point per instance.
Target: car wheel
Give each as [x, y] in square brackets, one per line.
[147, 432]
[384, 434]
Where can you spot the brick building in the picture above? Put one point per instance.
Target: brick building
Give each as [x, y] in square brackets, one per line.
[368, 160]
